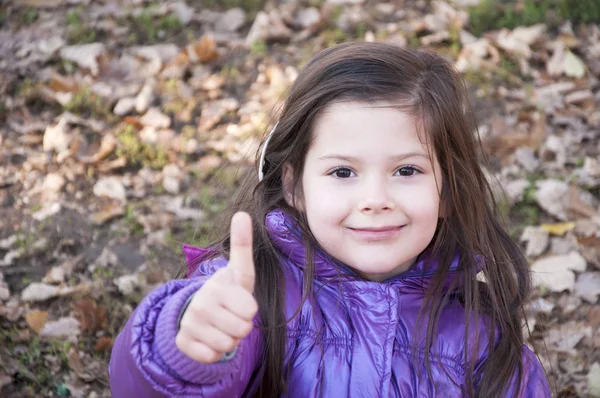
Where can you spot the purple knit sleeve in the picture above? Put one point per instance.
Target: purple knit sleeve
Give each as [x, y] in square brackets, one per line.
[146, 362]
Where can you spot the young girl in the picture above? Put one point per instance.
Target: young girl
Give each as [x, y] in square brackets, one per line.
[356, 273]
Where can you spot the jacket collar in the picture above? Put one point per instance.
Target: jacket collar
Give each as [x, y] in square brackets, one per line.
[287, 238]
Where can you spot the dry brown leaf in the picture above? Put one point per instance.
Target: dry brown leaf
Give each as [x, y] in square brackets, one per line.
[103, 344]
[36, 320]
[75, 362]
[503, 140]
[107, 146]
[204, 50]
[90, 315]
[134, 121]
[63, 83]
[577, 205]
[107, 213]
[106, 167]
[590, 249]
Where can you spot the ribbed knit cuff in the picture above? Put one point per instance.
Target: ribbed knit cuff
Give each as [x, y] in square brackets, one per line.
[185, 367]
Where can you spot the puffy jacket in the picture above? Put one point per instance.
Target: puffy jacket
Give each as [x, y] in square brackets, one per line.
[363, 349]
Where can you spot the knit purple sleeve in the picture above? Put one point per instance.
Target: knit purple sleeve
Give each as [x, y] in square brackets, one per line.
[146, 362]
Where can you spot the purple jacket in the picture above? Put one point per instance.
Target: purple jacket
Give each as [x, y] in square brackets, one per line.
[363, 350]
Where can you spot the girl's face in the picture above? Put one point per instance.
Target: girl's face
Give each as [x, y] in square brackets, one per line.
[371, 193]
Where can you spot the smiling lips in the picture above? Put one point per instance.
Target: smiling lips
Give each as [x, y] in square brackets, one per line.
[381, 233]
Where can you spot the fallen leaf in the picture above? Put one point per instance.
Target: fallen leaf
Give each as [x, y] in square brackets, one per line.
[84, 55]
[39, 292]
[110, 187]
[110, 211]
[4, 291]
[75, 362]
[513, 44]
[588, 286]
[573, 66]
[155, 118]
[57, 137]
[559, 229]
[36, 320]
[58, 273]
[581, 203]
[537, 240]
[231, 20]
[145, 97]
[553, 197]
[556, 272]
[593, 380]
[566, 336]
[204, 50]
[64, 327]
[127, 284]
[48, 210]
[103, 344]
[90, 315]
[107, 146]
[594, 316]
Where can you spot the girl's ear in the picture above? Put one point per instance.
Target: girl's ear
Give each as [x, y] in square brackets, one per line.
[288, 186]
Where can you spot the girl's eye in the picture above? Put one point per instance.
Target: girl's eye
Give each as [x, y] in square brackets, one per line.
[342, 172]
[407, 171]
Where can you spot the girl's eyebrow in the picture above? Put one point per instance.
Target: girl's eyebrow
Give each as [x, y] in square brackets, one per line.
[395, 158]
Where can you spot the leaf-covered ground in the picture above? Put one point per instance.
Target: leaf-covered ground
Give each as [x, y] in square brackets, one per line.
[124, 127]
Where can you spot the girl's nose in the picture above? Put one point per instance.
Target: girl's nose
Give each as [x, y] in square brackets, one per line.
[376, 198]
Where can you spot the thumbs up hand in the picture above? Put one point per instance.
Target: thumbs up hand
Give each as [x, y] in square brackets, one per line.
[220, 313]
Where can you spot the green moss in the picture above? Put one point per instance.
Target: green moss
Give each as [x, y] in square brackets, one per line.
[26, 88]
[134, 228]
[150, 29]
[259, 47]
[334, 36]
[30, 16]
[3, 16]
[86, 103]
[78, 32]
[137, 152]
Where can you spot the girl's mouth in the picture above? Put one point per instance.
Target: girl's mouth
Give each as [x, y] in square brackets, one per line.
[380, 233]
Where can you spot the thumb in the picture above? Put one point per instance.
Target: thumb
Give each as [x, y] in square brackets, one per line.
[241, 259]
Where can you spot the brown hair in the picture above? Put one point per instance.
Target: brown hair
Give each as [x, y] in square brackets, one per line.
[427, 87]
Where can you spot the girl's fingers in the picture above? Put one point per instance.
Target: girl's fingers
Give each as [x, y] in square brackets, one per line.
[214, 338]
[240, 303]
[198, 351]
[231, 324]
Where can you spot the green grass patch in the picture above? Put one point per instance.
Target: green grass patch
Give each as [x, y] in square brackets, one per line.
[137, 152]
[30, 16]
[493, 14]
[86, 103]
[149, 28]
[250, 6]
[77, 31]
[526, 212]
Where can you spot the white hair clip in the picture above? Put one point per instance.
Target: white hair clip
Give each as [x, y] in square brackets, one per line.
[261, 163]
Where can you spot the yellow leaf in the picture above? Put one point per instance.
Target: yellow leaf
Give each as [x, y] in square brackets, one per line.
[558, 229]
[574, 66]
[36, 320]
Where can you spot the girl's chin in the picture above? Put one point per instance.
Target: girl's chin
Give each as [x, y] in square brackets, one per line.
[380, 272]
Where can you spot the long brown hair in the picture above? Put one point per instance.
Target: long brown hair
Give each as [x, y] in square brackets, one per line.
[427, 87]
